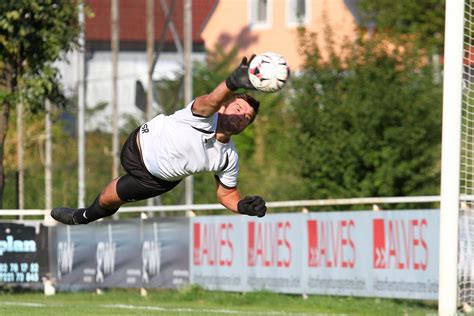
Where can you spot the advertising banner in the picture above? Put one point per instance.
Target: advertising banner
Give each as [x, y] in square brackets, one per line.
[240, 253]
[384, 254]
[273, 248]
[217, 252]
[20, 254]
[164, 253]
[405, 254]
[336, 253]
[121, 254]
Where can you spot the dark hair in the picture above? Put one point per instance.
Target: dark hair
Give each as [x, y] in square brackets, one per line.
[254, 103]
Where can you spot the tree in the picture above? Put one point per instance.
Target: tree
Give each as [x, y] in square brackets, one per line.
[33, 34]
[423, 19]
[367, 121]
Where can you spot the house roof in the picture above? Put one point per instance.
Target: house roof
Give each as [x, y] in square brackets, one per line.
[132, 19]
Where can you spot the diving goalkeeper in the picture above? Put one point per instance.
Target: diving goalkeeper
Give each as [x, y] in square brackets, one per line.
[160, 153]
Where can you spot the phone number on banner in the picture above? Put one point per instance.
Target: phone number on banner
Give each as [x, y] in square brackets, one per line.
[19, 272]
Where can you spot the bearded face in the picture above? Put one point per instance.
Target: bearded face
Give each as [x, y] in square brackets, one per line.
[235, 116]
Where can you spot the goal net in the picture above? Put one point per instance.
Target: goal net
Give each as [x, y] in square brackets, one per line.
[456, 261]
[466, 181]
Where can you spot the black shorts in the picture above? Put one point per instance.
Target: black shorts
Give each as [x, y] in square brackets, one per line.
[138, 183]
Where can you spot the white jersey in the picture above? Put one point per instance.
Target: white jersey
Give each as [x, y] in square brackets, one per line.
[183, 144]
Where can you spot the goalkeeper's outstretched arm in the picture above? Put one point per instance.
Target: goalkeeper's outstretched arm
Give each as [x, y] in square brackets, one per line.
[208, 104]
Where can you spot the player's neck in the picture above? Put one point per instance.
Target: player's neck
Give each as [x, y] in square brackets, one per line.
[223, 138]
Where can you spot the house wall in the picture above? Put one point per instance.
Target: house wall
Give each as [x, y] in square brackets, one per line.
[132, 60]
[229, 26]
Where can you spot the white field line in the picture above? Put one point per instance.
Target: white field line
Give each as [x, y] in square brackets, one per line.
[178, 310]
[23, 304]
[216, 311]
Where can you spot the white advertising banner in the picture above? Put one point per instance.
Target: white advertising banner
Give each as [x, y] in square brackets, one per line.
[405, 254]
[240, 253]
[384, 254]
[217, 255]
[273, 251]
[336, 253]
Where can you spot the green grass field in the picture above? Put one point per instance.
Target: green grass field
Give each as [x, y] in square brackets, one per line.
[196, 301]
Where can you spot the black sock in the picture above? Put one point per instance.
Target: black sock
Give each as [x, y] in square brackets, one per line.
[92, 213]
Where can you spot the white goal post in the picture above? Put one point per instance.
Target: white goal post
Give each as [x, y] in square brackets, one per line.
[456, 273]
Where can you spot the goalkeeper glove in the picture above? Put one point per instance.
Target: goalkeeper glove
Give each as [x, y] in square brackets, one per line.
[252, 206]
[240, 77]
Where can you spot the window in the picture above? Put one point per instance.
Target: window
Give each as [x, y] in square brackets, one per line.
[259, 12]
[297, 12]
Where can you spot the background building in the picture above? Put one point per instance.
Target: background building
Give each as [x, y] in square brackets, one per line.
[132, 61]
[255, 26]
[251, 26]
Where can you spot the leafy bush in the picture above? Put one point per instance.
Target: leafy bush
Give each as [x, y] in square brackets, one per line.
[367, 120]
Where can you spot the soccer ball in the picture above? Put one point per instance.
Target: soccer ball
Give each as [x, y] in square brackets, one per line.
[268, 72]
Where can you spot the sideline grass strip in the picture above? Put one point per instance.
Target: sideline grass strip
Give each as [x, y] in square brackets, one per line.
[196, 301]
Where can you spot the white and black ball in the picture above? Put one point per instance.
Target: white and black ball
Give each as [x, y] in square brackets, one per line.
[268, 72]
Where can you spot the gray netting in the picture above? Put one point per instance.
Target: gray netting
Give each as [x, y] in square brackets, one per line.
[466, 220]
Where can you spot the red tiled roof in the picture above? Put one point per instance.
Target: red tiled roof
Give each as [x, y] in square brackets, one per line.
[132, 19]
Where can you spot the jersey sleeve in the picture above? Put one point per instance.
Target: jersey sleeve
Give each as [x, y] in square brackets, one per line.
[228, 176]
[203, 123]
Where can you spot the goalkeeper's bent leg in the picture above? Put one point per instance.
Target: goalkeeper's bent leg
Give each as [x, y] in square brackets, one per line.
[97, 210]
[94, 212]
[106, 204]
[74, 216]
